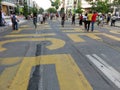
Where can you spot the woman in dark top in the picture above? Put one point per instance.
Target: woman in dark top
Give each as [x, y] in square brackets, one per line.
[35, 20]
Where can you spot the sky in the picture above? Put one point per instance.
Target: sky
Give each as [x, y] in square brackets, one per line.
[45, 4]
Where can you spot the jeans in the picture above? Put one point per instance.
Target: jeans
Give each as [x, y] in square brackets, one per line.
[15, 26]
[92, 26]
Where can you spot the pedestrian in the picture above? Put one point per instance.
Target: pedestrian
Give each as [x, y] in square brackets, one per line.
[100, 20]
[89, 18]
[14, 20]
[44, 18]
[113, 20]
[73, 19]
[85, 21]
[80, 19]
[62, 19]
[93, 20]
[35, 20]
[3, 19]
[108, 18]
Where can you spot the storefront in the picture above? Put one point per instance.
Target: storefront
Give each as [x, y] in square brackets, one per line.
[8, 7]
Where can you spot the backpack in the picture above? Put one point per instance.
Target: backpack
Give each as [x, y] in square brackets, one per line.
[14, 19]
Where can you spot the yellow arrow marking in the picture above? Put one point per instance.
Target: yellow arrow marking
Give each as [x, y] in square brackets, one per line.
[56, 43]
[69, 75]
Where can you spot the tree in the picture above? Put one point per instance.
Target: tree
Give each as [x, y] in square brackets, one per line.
[55, 4]
[34, 10]
[41, 10]
[52, 10]
[116, 2]
[62, 10]
[17, 9]
[100, 6]
[79, 9]
[25, 9]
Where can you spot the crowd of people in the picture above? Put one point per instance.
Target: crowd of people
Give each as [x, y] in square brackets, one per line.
[87, 19]
[90, 18]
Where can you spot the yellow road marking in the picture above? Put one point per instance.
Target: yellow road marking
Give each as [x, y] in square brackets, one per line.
[9, 61]
[28, 35]
[69, 75]
[16, 31]
[93, 36]
[22, 77]
[62, 28]
[24, 26]
[112, 37]
[7, 77]
[76, 30]
[115, 31]
[75, 37]
[56, 43]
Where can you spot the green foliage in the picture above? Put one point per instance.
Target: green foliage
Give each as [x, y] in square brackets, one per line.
[52, 10]
[25, 9]
[17, 9]
[55, 3]
[79, 9]
[0, 1]
[34, 10]
[41, 10]
[100, 6]
[116, 2]
[21, 10]
[62, 10]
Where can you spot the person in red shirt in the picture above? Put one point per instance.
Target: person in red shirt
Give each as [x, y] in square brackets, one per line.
[80, 19]
[93, 20]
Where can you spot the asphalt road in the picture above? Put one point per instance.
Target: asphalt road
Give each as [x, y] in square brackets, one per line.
[52, 57]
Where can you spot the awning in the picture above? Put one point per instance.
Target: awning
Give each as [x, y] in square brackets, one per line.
[8, 4]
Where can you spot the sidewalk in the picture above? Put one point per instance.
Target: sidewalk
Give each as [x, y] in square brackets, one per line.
[9, 23]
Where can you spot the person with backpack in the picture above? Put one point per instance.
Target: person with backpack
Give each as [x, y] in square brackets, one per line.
[14, 21]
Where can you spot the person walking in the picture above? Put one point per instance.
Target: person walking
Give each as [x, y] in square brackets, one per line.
[80, 19]
[14, 20]
[63, 19]
[113, 20]
[35, 20]
[89, 18]
[108, 18]
[85, 21]
[93, 21]
[73, 19]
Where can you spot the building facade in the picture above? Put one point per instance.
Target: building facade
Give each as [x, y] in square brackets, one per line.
[8, 6]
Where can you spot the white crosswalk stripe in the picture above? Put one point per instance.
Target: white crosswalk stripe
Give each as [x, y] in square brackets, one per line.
[108, 70]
